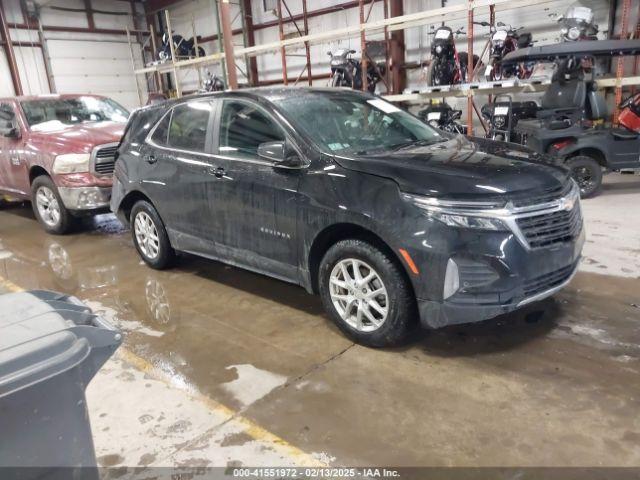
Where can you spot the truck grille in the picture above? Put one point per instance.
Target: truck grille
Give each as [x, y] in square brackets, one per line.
[551, 228]
[547, 281]
[105, 159]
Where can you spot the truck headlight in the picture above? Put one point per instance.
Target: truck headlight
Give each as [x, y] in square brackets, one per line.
[462, 214]
[72, 163]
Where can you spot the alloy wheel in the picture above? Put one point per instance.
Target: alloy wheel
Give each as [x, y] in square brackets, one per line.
[359, 295]
[584, 178]
[48, 206]
[146, 235]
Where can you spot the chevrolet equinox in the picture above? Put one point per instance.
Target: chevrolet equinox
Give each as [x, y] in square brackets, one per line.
[388, 219]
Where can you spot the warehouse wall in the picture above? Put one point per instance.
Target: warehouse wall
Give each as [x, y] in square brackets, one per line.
[534, 18]
[80, 62]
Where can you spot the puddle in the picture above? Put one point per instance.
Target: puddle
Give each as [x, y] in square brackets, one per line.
[252, 384]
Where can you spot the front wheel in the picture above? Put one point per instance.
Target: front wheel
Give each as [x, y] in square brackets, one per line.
[150, 237]
[48, 207]
[367, 294]
[587, 172]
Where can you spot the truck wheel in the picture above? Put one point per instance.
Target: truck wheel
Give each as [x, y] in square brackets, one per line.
[150, 237]
[366, 294]
[48, 207]
[587, 172]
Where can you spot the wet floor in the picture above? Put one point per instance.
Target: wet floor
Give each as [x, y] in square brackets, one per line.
[556, 384]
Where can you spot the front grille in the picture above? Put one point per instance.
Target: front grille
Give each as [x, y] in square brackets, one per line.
[547, 281]
[105, 160]
[551, 228]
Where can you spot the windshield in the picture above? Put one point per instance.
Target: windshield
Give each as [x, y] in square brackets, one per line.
[352, 124]
[57, 112]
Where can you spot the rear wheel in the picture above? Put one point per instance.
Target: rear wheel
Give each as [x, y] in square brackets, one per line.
[366, 294]
[150, 237]
[48, 207]
[587, 172]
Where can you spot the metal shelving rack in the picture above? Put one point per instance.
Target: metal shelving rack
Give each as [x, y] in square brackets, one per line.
[388, 25]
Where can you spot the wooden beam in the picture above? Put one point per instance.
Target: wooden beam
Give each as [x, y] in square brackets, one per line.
[227, 38]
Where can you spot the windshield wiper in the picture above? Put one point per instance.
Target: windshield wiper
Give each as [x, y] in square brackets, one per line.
[415, 143]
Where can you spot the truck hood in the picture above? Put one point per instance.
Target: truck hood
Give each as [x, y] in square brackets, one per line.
[79, 138]
[463, 168]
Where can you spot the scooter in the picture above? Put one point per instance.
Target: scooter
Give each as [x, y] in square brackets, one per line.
[183, 48]
[570, 125]
[506, 39]
[447, 66]
[346, 71]
[213, 83]
[443, 117]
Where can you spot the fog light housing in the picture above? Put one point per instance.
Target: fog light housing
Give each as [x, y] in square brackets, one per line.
[451, 279]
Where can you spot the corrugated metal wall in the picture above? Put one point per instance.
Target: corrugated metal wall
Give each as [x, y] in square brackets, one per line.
[80, 62]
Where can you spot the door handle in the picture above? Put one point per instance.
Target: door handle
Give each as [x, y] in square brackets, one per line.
[150, 159]
[217, 172]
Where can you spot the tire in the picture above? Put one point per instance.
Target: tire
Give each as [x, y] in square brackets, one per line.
[337, 80]
[48, 207]
[582, 168]
[158, 253]
[399, 302]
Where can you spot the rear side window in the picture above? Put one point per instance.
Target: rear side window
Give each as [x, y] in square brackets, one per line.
[189, 123]
[162, 130]
[243, 126]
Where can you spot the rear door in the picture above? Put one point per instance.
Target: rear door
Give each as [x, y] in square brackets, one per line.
[256, 201]
[175, 171]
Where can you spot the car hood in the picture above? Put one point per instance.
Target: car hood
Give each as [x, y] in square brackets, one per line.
[78, 138]
[464, 168]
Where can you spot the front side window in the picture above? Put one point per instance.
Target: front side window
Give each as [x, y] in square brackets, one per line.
[243, 127]
[46, 113]
[349, 123]
[189, 124]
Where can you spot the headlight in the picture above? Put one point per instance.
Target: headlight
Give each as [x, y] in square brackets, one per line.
[438, 48]
[574, 33]
[72, 163]
[476, 215]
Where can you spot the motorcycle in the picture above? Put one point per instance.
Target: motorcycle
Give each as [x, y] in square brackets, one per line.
[503, 115]
[506, 39]
[346, 71]
[443, 117]
[447, 66]
[182, 47]
[213, 83]
[577, 24]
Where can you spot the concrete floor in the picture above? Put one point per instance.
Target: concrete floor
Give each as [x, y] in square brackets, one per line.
[222, 367]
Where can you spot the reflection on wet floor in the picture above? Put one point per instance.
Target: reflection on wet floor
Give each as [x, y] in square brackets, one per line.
[266, 347]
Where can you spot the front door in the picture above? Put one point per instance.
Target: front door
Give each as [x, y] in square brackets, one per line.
[257, 202]
[14, 177]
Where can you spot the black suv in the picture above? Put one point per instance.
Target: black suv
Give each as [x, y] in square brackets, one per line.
[349, 196]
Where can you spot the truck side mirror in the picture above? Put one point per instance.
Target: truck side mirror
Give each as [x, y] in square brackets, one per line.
[10, 131]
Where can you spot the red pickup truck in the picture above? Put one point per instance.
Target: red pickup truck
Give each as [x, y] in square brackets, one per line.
[59, 152]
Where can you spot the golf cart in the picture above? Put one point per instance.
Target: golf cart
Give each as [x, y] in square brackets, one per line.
[570, 123]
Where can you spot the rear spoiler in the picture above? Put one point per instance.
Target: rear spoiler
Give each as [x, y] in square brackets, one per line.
[587, 48]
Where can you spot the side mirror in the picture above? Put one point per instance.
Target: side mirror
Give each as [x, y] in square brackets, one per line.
[10, 131]
[280, 154]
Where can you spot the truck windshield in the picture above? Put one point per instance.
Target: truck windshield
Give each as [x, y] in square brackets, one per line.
[345, 123]
[58, 112]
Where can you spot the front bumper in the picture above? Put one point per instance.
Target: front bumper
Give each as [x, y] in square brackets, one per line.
[85, 198]
[507, 275]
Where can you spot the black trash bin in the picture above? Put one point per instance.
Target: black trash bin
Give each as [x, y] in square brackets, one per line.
[51, 346]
